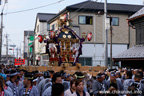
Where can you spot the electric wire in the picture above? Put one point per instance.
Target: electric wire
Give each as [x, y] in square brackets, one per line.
[34, 8]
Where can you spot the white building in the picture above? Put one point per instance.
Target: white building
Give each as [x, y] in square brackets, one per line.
[41, 28]
[27, 34]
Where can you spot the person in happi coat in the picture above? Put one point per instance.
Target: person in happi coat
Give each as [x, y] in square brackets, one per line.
[56, 79]
[12, 82]
[118, 76]
[90, 85]
[80, 89]
[99, 85]
[66, 82]
[2, 73]
[72, 89]
[7, 72]
[22, 72]
[42, 83]
[62, 74]
[40, 77]
[49, 83]
[47, 86]
[35, 81]
[114, 84]
[123, 71]
[128, 80]
[5, 87]
[4, 92]
[57, 89]
[19, 83]
[29, 89]
[137, 85]
[21, 78]
[135, 71]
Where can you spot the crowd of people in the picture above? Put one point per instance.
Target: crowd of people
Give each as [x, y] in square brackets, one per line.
[111, 82]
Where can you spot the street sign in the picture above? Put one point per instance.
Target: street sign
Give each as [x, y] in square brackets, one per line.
[19, 61]
[12, 45]
[11, 49]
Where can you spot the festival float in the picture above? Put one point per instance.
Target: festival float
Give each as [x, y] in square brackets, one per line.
[64, 46]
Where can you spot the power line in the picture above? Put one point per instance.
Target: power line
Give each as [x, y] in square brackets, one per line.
[79, 9]
[34, 8]
[83, 9]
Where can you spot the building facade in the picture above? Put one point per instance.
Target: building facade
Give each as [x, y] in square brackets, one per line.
[28, 40]
[85, 19]
[41, 28]
[134, 57]
[8, 61]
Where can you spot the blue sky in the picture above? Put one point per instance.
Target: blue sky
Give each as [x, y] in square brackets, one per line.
[15, 24]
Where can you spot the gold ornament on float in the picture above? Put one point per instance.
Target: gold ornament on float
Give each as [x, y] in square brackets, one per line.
[66, 32]
[64, 36]
[69, 36]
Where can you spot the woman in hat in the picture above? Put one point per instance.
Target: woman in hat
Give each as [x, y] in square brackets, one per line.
[29, 89]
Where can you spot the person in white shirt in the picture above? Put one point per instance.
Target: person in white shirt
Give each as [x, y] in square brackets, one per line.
[80, 89]
[72, 89]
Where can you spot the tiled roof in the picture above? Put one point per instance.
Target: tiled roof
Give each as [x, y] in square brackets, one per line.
[137, 14]
[44, 17]
[91, 5]
[134, 52]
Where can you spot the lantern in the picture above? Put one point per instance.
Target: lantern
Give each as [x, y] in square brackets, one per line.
[40, 39]
[65, 17]
[89, 36]
[39, 58]
[52, 34]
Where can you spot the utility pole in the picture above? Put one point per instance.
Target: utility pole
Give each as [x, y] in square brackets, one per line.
[13, 52]
[20, 52]
[111, 62]
[20, 49]
[34, 51]
[6, 36]
[106, 33]
[1, 35]
[17, 52]
[1, 29]
[28, 50]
